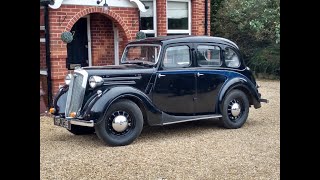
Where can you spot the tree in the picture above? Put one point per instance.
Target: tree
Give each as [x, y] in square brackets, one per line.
[254, 25]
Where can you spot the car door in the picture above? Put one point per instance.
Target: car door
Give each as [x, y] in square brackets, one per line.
[174, 89]
[209, 77]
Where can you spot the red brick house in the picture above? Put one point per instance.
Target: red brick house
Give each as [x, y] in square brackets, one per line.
[102, 28]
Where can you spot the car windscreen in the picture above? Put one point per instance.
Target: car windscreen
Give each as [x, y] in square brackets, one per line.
[145, 53]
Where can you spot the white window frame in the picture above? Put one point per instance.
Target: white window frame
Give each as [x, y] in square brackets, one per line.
[154, 31]
[182, 31]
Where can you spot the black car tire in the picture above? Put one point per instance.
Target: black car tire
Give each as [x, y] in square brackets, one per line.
[228, 119]
[106, 132]
[81, 130]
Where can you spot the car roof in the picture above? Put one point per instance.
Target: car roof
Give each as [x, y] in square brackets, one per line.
[184, 38]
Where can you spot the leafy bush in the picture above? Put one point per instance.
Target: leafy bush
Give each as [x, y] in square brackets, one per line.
[255, 26]
[266, 61]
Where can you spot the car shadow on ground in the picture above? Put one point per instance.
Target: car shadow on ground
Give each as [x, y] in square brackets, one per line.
[152, 133]
[149, 133]
[181, 128]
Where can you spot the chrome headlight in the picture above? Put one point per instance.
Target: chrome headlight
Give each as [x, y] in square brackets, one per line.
[95, 81]
[67, 79]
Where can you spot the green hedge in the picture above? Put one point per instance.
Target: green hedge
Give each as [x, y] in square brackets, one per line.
[266, 61]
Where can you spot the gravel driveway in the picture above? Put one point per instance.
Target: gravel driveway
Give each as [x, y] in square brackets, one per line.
[192, 150]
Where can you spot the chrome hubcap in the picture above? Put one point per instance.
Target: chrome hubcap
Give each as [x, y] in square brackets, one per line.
[120, 123]
[235, 109]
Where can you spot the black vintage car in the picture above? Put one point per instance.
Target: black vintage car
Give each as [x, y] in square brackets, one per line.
[160, 81]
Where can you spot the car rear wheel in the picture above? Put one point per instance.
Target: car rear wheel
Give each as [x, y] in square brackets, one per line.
[121, 125]
[235, 109]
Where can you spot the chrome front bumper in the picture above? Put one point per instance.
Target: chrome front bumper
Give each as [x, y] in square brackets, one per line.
[66, 122]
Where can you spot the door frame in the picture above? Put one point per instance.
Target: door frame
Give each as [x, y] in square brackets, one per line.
[89, 39]
[116, 43]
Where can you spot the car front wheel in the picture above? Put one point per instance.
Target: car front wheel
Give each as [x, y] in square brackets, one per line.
[121, 125]
[235, 109]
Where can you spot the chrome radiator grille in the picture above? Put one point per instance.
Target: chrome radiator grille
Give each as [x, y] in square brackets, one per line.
[76, 92]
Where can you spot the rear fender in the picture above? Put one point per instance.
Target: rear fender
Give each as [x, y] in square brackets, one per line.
[243, 84]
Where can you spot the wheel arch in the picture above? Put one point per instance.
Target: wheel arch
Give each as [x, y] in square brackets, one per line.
[243, 85]
[151, 115]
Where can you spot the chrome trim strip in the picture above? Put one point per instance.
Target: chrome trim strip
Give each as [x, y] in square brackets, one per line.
[122, 78]
[82, 123]
[119, 82]
[194, 119]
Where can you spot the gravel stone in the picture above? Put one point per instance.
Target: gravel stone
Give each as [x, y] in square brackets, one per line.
[191, 150]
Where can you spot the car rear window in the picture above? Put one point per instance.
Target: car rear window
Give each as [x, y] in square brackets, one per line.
[231, 58]
[208, 55]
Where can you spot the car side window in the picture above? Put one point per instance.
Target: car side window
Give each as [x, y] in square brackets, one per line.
[177, 56]
[231, 58]
[208, 55]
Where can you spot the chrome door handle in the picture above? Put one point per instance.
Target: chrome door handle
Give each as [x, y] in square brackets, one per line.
[199, 74]
[161, 75]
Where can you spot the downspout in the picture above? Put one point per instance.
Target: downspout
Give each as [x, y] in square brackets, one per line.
[206, 17]
[48, 61]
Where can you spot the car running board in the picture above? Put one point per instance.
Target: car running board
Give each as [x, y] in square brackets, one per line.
[171, 119]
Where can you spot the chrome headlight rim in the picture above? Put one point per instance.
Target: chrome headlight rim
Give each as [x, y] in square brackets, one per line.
[67, 79]
[95, 81]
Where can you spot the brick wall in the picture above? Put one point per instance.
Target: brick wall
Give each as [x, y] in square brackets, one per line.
[66, 16]
[161, 6]
[41, 17]
[42, 55]
[197, 13]
[102, 40]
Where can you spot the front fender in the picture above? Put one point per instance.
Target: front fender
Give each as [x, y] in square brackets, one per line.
[59, 100]
[241, 83]
[109, 96]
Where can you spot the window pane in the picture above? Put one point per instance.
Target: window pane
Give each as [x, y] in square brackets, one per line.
[208, 56]
[231, 58]
[147, 17]
[147, 23]
[177, 15]
[149, 35]
[177, 56]
[146, 53]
